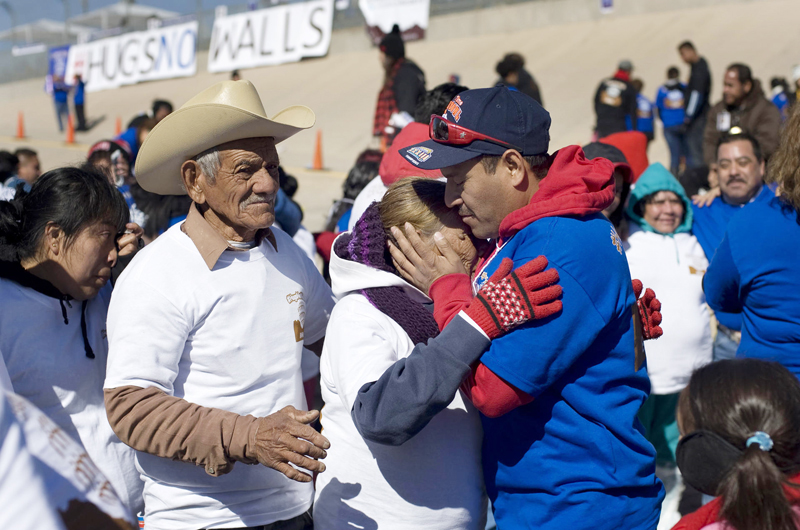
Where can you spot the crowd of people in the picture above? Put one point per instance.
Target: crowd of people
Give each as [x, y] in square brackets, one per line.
[500, 329]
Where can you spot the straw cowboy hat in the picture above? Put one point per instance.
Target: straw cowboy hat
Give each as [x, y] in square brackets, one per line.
[227, 111]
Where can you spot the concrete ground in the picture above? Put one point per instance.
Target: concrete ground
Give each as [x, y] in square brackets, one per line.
[568, 60]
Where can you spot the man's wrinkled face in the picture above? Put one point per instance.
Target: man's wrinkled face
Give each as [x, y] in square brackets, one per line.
[474, 193]
[740, 173]
[733, 91]
[244, 191]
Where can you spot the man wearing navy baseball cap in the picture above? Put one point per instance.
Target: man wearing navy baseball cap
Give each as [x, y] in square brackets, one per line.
[559, 396]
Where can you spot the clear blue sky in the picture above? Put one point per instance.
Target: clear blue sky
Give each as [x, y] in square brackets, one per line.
[30, 10]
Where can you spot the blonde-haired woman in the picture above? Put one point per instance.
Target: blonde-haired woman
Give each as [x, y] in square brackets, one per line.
[434, 479]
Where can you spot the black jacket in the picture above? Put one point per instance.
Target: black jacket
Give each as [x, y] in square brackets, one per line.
[698, 90]
[409, 84]
[614, 101]
[527, 85]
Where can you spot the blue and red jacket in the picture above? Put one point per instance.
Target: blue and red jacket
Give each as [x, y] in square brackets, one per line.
[562, 444]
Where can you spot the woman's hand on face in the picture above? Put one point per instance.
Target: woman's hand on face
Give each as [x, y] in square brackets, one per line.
[419, 263]
[128, 243]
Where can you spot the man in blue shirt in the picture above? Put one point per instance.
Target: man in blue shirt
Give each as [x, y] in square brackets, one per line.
[567, 451]
[644, 112]
[740, 166]
[60, 97]
[78, 99]
[669, 102]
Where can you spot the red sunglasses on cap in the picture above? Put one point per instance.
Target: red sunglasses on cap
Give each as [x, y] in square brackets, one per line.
[447, 132]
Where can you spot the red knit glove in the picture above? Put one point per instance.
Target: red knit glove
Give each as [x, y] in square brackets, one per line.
[508, 300]
[649, 310]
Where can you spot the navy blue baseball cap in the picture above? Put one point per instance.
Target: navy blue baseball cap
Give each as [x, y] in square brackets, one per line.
[500, 113]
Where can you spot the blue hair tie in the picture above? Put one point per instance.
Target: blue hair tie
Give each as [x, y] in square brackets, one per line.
[762, 439]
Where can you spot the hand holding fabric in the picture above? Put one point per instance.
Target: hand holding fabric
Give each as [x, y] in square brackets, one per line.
[509, 299]
[650, 311]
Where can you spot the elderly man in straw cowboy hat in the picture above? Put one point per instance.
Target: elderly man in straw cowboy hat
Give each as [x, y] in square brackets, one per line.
[207, 329]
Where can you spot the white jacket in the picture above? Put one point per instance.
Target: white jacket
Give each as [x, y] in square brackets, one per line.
[673, 266]
[433, 481]
[48, 366]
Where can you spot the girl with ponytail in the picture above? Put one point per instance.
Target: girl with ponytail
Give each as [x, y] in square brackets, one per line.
[740, 421]
[58, 244]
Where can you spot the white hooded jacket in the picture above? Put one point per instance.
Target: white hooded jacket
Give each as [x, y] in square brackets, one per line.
[673, 266]
[434, 480]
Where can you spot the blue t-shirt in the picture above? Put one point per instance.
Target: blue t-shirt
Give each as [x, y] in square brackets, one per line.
[644, 114]
[781, 101]
[576, 456]
[60, 93]
[709, 225]
[129, 135]
[78, 95]
[344, 221]
[756, 271]
[669, 102]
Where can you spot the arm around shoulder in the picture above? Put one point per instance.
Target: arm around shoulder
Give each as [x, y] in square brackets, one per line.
[399, 404]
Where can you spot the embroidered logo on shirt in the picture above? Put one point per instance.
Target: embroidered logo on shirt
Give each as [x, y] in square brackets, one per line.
[297, 298]
[615, 240]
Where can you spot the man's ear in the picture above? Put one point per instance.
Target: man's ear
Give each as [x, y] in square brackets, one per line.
[192, 177]
[748, 87]
[515, 167]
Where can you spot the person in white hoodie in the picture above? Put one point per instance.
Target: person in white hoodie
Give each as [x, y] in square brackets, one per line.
[433, 480]
[58, 244]
[664, 254]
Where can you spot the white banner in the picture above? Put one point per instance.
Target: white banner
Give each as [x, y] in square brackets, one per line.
[411, 16]
[131, 58]
[276, 35]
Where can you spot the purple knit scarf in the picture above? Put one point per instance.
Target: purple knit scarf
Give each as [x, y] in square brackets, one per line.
[366, 244]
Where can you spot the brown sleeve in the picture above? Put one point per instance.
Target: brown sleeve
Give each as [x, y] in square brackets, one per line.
[710, 137]
[768, 129]
[151, 421]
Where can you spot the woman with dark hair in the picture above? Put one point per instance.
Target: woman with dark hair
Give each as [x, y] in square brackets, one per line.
[58, 245]
[740, 421]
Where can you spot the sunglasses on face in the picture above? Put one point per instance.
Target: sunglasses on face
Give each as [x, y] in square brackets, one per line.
[447, 132]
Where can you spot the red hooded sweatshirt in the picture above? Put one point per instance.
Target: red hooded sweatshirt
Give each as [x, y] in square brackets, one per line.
[574, 186]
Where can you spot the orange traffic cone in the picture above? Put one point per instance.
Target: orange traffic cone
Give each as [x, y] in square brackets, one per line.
[383, 144]
[318, 152]
[20, 126]
[70, 130]
[118, 128]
